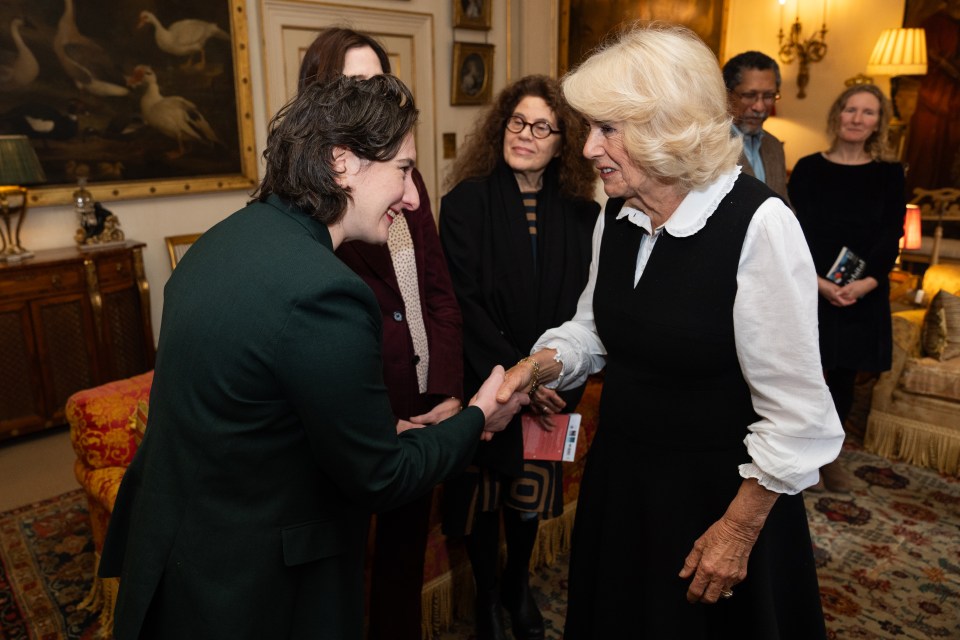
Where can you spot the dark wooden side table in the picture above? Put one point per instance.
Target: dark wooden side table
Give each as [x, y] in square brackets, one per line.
[69, 320]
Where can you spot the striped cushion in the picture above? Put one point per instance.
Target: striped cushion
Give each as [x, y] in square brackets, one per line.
[941, 327]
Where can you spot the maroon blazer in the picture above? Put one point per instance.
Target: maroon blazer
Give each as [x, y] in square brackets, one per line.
[441, 314]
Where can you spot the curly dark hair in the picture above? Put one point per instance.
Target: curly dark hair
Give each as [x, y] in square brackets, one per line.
[324, 58]
[369, 117]
[484, 146]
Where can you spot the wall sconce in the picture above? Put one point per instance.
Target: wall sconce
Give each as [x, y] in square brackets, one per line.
[813, 49]
[18, 166]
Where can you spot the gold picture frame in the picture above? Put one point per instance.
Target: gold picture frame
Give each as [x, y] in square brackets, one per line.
[472, 80]
[472, 14]
[112, 140]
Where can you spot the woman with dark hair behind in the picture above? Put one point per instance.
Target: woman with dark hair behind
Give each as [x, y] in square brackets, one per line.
[852, 195]
[244, 512]
[516, 231]
[422, 347]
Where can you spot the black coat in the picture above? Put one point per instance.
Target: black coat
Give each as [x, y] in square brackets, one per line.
[508, 302]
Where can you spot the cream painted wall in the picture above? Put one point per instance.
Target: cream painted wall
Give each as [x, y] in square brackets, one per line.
[524, 33]
[852, 29]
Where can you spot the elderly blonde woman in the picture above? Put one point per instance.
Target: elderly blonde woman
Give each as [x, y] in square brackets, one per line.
[702, 307]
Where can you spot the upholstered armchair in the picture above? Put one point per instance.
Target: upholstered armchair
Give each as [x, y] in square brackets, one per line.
[915, 411]
[103, 429]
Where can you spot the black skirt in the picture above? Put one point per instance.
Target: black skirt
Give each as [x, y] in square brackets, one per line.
[639, 513]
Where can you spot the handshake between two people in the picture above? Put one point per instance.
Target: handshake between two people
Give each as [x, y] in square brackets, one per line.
[499, 397]
[498, 404]
[504, 392]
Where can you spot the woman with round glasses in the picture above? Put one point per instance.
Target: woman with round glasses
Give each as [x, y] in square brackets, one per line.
[516, 230]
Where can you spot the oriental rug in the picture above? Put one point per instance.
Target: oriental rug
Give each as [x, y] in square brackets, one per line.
[888, 554]
[46, 570]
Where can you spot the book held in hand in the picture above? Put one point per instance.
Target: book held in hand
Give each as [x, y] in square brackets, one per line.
[559, 444]
[846, 268]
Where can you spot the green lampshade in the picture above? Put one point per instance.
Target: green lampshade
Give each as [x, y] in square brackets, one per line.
[19, 164]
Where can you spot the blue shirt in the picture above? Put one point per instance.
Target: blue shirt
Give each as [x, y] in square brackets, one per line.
[751, 149]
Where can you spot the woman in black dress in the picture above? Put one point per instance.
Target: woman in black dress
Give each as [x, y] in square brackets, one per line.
[516, 232]
[701, 307]
[852, 195]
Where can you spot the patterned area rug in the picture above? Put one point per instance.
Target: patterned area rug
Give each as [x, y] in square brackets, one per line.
[46, 565]
[888, 556]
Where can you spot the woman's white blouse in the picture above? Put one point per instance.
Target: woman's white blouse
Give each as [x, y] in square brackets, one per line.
[775, 328]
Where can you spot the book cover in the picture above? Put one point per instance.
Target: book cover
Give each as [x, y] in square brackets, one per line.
[559, 444]
[846, 268]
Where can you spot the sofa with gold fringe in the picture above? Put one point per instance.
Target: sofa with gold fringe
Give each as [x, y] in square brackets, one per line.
[915, 410]
[107, 423]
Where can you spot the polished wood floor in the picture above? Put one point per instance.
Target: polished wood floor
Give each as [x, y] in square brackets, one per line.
[36, 467]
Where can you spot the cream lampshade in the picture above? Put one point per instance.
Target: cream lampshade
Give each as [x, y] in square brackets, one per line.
[899, 52]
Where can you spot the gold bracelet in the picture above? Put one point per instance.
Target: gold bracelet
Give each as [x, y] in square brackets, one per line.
[535, 383]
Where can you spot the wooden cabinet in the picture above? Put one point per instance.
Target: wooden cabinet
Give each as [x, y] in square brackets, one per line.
[69, 320]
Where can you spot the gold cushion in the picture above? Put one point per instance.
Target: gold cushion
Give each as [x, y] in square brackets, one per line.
[941, 327]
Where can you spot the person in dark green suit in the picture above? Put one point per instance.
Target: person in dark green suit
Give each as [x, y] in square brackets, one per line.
[245, 511]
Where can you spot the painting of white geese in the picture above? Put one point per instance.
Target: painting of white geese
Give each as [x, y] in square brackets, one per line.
[173, 116]
[86, 62]
[184, 37]
[17, 69]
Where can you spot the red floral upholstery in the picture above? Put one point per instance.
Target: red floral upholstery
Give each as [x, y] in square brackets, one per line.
[103, 437]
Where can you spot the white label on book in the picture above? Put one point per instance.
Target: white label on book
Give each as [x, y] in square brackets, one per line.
[573, 432]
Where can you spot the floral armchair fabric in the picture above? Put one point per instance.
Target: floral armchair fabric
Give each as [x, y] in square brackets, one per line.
[103, 432]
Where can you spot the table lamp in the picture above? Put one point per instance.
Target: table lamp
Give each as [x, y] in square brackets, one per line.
[898, 53]
[912, 238]
[19, 165]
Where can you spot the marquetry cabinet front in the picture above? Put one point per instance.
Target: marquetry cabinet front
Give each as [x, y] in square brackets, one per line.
[69, 320]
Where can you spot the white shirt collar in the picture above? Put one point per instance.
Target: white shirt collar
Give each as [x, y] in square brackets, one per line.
[694, 210]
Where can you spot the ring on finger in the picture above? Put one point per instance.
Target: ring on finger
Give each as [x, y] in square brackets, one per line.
[726, 593]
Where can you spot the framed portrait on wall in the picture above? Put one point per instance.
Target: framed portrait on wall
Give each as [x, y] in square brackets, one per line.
[598, 19]
[472, 14]
[141, 99]
[472, 79]
[931, 103]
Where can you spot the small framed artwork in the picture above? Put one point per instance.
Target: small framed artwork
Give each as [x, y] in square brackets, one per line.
[472, 79]
[472, 14]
